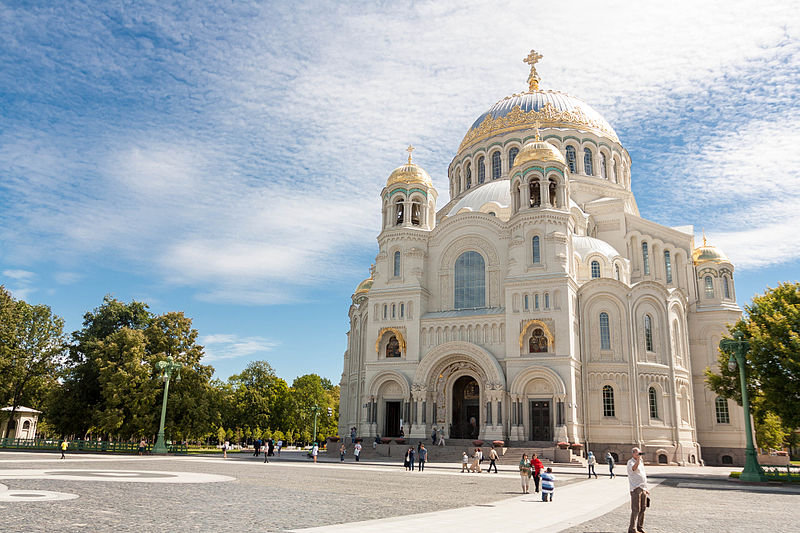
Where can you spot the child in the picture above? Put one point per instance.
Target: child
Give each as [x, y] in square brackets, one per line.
[547, 484]
[464, 461]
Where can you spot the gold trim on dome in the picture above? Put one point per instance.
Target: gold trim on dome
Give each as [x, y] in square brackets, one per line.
[547, 116]
[708, 254]
[364, 286]
[539, 323]
[397, 334]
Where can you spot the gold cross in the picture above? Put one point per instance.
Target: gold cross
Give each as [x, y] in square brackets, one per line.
[409, 150]
[533, 77]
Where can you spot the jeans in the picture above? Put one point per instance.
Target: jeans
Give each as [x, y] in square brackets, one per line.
[421, 465]
[536, 482]
[492, 464]
[591, 471]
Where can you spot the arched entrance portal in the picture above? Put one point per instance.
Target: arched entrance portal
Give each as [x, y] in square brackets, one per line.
[466, 409]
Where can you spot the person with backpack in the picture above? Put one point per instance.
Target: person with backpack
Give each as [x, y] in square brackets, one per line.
[610, 461]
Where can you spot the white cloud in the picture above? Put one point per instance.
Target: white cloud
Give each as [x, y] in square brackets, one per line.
[67, 278]
[241, 151]
[227, 346]
[23, 276]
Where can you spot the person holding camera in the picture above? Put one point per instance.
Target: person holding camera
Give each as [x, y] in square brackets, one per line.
[639, 493]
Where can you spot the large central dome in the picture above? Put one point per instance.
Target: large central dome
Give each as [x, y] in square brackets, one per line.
[549, 108]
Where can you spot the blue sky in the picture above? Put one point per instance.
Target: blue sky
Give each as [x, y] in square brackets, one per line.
[225, 158]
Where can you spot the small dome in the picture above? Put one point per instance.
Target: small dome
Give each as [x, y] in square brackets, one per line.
[584, 246]
[538, 151]
[495, 191]
[705, 253]
[409, 173]
[364, 286]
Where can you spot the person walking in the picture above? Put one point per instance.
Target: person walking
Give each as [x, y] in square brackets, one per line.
[480, 455]
[548, 484]
[422, 457]
[266, 457]
[610, 461]
[315, 451]
[492, 460]
[342, 452]
[142, 446]
[441, 437]
[433, 436]
[352, 435]
[537, 466]
[225, 449]
[525, 473]
[464, 462]
[257, 447]
[64, 446]
[476, 461]
[278, 446]
[637, 479]
[271, 447]
[357, 451]
[591, 461]
[411, 459]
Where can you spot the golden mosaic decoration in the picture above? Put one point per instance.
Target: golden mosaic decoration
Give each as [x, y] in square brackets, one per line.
[397, 334]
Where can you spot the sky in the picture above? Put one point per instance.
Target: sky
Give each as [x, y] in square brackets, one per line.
[225, 159]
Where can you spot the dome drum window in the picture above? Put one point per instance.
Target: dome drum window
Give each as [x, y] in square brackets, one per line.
[536, 250]
[588, 169]
[571, 159]
[481, 170]
[512, 154]
[496, 166]
[668, 266]
[595, 269]
[468, 177]
[645, 259]
[709, 287]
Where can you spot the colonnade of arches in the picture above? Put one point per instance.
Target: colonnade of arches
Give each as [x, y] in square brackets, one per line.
[534, 191]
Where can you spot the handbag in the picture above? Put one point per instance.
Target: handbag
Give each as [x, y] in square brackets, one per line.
[647, 503]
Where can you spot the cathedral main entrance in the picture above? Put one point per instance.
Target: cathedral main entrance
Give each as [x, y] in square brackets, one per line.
[391, 425]
[466, 409]
[540, 420]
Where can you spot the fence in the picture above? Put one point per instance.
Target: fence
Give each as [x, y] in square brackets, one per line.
[782, 473]
[84, 445]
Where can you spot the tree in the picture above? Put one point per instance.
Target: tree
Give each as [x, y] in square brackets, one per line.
[772, 327]
[32, 348]
[309, 390]
[221, 435]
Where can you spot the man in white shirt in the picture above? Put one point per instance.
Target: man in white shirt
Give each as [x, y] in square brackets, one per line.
[637, 478]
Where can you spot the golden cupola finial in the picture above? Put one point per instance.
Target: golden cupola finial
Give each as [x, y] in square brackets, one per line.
[409, 173]
[533, 77]
[409, 150]
[708, 252]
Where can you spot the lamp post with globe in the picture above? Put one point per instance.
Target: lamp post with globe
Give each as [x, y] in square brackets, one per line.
[167, 368]
[738, 347]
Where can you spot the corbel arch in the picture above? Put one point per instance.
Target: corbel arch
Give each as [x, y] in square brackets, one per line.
[522, 379]
[386, 376]
[452, 351]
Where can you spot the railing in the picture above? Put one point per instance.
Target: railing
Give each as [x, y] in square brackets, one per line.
[782, 473]
[84, 445]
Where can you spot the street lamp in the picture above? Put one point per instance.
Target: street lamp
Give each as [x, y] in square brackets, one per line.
[167, 368]
[315, 410]
[738, 348]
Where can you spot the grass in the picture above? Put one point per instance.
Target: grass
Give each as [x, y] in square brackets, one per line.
[772, 476]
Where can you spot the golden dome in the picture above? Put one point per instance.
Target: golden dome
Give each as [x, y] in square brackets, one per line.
[538, 151]
[364, 286]
[409, 173]
[705, 253]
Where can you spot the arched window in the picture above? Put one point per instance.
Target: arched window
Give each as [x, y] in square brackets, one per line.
[614, 171]
[571, 159]
[470, 281]
[526, 302]
[26, 425]
[552, 188]
[536, 301]
[393, 347]
[396, 264]
[709, 287]
[603, 166]
[537, 342]
[595, 269]
[726, 287]
[648, 333]
[537, 256]
[645, 259]
[651, 395]
[536, 197]
[399, 211]
[394, 310]
[512, 155]
[668, 266]
[468, 175]
[496, 166]
[547, 300]
[385, 309]
[605, 333]
[587, 162]
[481, 170]
[721, 407]
[608, 400]
[616, 272]
[402, 310]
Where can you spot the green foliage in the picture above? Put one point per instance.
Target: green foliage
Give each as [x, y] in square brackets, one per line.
[221, 435]
[772, 328]
[770, 432]
[278, 435]
[32, 352]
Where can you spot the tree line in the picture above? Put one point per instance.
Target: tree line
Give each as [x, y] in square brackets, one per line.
[101, 380]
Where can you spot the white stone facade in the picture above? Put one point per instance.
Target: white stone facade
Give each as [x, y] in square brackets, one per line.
[580, 295]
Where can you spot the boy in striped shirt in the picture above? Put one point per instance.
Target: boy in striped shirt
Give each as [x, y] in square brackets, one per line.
[547, 479]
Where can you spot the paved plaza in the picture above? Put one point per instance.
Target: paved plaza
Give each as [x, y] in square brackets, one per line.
[104, 493]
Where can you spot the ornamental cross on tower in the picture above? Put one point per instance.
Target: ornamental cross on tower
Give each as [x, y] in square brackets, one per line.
[409, 150]
[533, 78]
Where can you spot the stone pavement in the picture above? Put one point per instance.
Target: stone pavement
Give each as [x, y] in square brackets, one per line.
[291, 493]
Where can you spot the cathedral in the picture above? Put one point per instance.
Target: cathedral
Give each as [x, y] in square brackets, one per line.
[537, 306]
